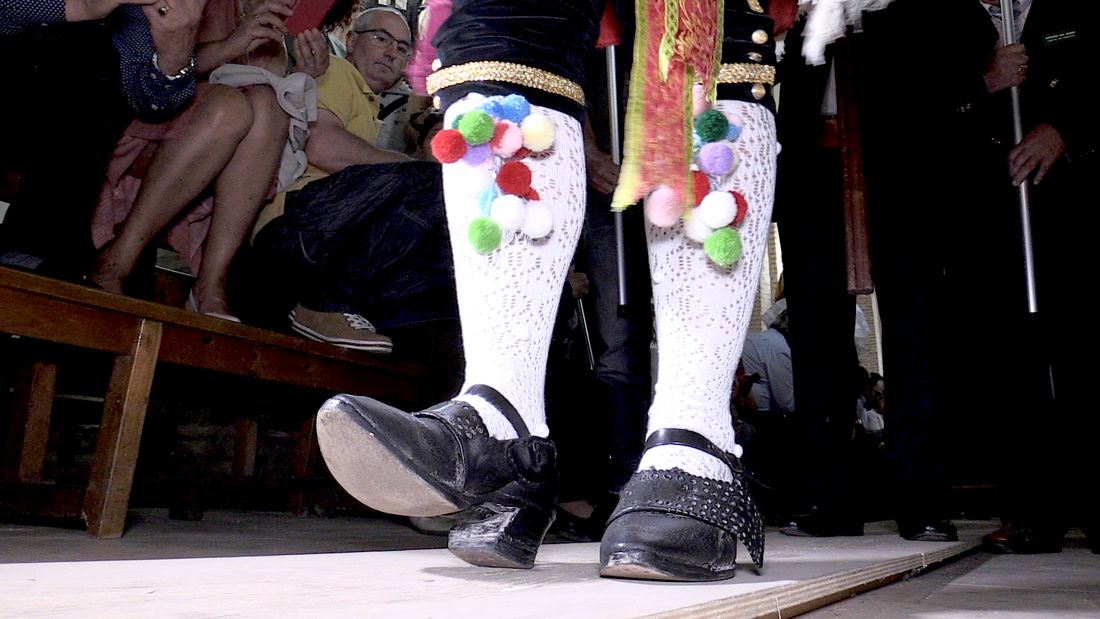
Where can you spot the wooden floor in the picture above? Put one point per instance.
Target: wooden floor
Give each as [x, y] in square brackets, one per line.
[248, 564]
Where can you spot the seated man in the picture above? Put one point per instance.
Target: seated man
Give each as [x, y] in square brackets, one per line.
[363, 233]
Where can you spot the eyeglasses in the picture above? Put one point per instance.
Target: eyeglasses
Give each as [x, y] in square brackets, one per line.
[382, 40]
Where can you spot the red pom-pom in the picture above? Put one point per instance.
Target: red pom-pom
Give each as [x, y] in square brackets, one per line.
[448, 146]
[521, 153]
[700, 184]
[514, 178]
[532, 195]
[742, 208]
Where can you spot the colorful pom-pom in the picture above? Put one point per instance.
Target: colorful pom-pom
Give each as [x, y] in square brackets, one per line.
[695, 229]
[712, 126]
[515, 108]
[539, 220]
[514, 178]
[700, 184]
[484, 235]
[734, 132]
[448, 146]
[456, 121]
[664, 206]
[492, 106]
[538, 132]
[477, 155]
[742, 207]
[509, 212]
[507, 139]
[723, 247]
[485, 199]
[716, 158]
[476, 127]
[717, 209]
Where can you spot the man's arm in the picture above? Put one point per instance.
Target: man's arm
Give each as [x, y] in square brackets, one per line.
[332, 148]
[16, 15]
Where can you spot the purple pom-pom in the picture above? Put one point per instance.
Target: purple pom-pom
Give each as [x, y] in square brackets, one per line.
[477, 155]
[716, 158]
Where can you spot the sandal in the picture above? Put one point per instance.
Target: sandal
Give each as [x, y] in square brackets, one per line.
[672, 525]
[443, 461]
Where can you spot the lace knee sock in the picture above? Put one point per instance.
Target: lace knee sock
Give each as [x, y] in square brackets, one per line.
[703, 310]
[508, 297]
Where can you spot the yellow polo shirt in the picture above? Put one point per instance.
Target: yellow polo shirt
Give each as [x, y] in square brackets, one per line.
[342, 91]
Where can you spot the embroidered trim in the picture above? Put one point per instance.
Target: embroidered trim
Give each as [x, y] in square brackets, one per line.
[744, 72]
[510, 72]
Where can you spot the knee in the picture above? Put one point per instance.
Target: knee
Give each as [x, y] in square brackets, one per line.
[267, 115]
[227, 112]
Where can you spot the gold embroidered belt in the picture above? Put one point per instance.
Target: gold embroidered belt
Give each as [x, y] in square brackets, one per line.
[509, 72]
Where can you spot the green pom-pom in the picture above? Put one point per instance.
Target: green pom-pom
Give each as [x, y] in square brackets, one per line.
[723, 247]
[484, 235]
[458, 119]
[712, 126]
[476, 127]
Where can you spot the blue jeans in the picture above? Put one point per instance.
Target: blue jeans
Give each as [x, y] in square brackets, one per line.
[369, 240]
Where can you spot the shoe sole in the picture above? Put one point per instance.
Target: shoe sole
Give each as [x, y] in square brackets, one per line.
[378, 347]
[643, 565]
[369, 471]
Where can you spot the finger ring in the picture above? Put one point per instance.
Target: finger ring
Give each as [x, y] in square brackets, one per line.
[163, 10]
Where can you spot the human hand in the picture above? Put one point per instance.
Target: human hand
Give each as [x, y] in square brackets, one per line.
[311, 52]
[1007, 68]
[603, 174]
[1037, 152]
[263, 22]
[173, 25]
[84, 10]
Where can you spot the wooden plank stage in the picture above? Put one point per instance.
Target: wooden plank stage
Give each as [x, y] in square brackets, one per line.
[45, 572]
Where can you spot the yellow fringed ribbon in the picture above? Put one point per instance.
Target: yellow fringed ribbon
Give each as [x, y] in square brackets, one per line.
[677, 42]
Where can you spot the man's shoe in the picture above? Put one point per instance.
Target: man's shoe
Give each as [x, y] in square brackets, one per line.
[339, 328]
[928, 531]
[1022, 540]
[443, 461]
[820, 524]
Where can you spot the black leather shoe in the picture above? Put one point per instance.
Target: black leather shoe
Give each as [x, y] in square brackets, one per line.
[1023, 540]
[672, 525]
[443, 461]
[928, 531]
[821, 524]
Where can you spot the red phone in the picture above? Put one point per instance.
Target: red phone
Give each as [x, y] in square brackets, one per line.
[307, 14]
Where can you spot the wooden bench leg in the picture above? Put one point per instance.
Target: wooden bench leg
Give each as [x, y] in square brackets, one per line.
[245, 442]
[30, 428]
[306, 452]
[108, 496]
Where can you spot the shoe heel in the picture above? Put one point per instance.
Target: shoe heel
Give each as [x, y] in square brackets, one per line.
[509, 537]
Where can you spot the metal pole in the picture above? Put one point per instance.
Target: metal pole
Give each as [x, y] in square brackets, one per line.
[587, 339]
[616, 156]
[1008, 24]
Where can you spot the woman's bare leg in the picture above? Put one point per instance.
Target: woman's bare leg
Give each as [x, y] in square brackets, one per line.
[239, 191]
[180, 171]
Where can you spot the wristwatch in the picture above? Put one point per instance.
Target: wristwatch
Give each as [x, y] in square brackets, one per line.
[184, 72]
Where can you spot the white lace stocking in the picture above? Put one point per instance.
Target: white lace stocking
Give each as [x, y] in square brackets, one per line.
[703, 310]
[508, 299]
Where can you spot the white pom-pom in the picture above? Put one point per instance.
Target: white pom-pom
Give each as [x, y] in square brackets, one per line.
[463, 105]
[509, 212]
[539, 220]
[718, 209]
[695, 229]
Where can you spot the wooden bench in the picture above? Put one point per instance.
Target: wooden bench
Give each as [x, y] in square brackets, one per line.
[142, 334]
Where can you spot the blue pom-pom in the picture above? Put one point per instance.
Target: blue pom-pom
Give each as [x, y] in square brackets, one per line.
[515, 108]
[734, 132]
[493, 106]
[485, 200]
